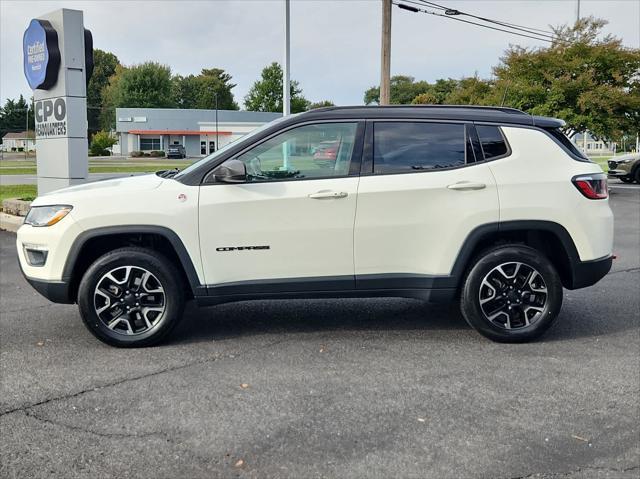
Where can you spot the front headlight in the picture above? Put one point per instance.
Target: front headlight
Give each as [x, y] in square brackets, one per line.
[624, 162]
[46, 215]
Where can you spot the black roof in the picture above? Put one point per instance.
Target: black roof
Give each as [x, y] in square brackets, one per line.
[492, 114]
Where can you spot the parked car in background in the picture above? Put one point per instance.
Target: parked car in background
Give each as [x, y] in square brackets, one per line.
[176, 151]
[327, 151]
[626, 168]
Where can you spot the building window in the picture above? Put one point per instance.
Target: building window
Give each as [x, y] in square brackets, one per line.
[203, 147]
[149, 144]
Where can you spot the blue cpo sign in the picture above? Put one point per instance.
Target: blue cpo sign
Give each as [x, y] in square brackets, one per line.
[41, 55]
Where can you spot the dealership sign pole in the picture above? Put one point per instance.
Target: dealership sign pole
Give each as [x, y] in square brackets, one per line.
[58, 61]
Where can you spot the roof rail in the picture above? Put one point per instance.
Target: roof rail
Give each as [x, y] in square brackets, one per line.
[502, 109]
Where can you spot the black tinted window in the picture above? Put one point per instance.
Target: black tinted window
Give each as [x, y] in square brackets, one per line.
[403, 146]
[566, 142]
[492, 141]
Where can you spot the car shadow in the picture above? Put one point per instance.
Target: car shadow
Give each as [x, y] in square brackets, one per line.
[248, 318]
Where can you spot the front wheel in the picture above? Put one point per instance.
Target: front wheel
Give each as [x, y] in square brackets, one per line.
[131, 297]
[511, 294]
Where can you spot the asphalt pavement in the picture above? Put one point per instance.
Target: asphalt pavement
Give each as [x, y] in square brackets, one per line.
[387, 388]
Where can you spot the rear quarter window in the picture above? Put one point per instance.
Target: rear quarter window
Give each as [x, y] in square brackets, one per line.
[492, 141]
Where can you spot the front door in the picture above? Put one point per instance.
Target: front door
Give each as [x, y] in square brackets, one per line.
[290, 225]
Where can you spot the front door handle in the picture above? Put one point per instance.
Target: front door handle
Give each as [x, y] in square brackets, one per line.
[466, 185]
[325, 195]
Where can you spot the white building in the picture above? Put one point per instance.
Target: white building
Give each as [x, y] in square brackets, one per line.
[592, 147]
[17, 141]
[147, 129]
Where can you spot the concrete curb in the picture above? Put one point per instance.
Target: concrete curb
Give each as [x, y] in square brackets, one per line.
[10, 222]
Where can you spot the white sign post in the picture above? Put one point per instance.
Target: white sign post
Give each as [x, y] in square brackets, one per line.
[61, 100]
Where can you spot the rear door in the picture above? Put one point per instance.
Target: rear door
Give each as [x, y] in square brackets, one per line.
[420, 195]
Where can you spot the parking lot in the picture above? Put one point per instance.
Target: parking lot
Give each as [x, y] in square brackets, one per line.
[345, 388]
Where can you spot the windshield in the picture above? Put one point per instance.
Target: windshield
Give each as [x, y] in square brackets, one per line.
[222, 150]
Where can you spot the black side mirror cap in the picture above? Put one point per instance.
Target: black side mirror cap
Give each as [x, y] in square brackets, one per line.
[232, 171]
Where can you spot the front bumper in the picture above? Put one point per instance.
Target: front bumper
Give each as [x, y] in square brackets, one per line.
[617, 173]
[54, 291]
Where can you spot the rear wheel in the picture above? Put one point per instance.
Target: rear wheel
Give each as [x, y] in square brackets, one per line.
[637, 174]
[131, 297]
[511, 294]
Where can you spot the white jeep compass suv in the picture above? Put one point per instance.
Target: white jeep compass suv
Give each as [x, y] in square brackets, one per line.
[488, 206]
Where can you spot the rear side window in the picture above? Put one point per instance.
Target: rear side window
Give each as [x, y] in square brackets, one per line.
[492, 141]
[566, 142]
[409, 147]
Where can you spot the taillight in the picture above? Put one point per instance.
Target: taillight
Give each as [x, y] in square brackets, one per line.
[593, 186]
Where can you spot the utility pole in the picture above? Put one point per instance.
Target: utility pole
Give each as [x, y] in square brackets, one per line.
[217, 139]
[577, 11]
[385, 59]
[26, 133]
[286, 83]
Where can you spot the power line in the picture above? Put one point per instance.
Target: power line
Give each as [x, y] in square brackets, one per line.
[532, 30]
[421, 10]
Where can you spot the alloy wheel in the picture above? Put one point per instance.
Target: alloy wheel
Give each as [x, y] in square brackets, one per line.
[513, 295]
[129, 300]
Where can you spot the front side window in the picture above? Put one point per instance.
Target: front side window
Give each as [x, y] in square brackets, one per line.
[310, 151]
[413, 146]
[492, 141]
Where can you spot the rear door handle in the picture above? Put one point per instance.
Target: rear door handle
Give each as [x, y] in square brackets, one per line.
[326, 195]
[466, 185]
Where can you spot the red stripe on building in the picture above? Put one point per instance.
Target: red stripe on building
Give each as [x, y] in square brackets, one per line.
[178, 132]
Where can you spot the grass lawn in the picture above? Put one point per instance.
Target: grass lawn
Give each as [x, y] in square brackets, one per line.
[27, 192]
[9, 167]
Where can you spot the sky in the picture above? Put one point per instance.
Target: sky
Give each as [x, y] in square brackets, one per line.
[335, 44]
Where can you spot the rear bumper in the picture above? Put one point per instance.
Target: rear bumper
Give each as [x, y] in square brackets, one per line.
[588, 273]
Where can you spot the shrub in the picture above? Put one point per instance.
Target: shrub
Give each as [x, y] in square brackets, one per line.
[157, 154]
[146, 154]
[13, 148]
[101, 142]
[136, 154]
[20, 148]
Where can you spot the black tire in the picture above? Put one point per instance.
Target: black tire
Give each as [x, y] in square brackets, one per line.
[636, 176]
[486, 264]
[626, 179]
[164, 273]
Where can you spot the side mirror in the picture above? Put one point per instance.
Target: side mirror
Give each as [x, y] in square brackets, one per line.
[232, 171]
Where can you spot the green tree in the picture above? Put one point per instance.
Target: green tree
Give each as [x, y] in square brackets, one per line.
[403, 89]
[320, 104]
[147, 85]
[105, 64]
[14, 114]
[200, 91]
[425, 99]
[471, 91]
[100, 143]
[588, 80]
[266, 94]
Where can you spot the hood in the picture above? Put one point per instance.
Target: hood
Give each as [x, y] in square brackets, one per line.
[101, 187]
